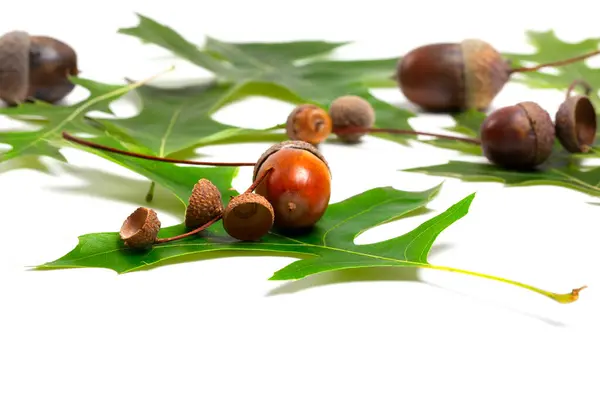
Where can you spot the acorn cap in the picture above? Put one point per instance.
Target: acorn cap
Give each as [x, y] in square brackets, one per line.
[351, 111]
[576, 122]
[204, 204]
[14, 66]
[140, 229]
[543, 128]
[248, 217]
[485, 73]
[301, 145]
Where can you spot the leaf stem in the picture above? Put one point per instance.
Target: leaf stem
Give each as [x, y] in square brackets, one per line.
[586, 86]
[555, 63]
[150, 194]
[91, 144]
[358, 130]
[561, 298]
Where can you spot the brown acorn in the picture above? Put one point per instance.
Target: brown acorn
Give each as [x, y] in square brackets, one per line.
[248, 217]
[308, 123]
[204, 204]
[35, 67]
[299, 187]
[51, 63]
[518, 137]
[140, 229]
[576, 123]
[453, 76]
[351, 111]
[14, 67]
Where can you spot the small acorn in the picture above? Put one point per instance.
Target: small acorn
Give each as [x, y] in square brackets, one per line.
[204, 204]
[576, 121]
[140, 229]
[518, 137]
[351, 111]
[299, 187]
[248, 217]
[308, 123]
[35, 67]
[453, 76]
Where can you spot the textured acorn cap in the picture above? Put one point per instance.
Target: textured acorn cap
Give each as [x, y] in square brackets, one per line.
[14, 67]
[351, 111]
[140, 229]
[543, 127]
[248, 217]
[301, 145]
[204, 204]
[576, 124]
[485, 73]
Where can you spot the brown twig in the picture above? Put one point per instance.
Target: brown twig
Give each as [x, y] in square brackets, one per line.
[359, 130]
[555, 63]
[586, 86]
[91, 144]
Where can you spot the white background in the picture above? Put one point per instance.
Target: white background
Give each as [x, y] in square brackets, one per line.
[214, 339]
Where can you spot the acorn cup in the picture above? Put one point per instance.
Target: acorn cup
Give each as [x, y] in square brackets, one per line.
[576, 120]
[351, 112]
[204, 204]
[140, 229]
[35, 67]
[248, 217]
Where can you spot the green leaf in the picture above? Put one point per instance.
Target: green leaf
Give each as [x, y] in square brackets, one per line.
[175, 119]
[549, 48]
[330, 246]
[54, 119]
[178, 179]
[291, 71]
[565, 174]
[467, 124]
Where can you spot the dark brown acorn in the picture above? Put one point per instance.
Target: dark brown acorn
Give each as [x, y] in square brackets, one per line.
[453, 76]
[518, 137]
[35, 67]
[51, 62]
[576, 121]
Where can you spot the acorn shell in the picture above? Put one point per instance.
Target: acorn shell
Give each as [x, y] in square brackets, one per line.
[204, 204]
[52, 62]
[308, 123]
[351, 111]
[140, 229]
[302, 145]
[576, 124]
[518, 137]
[452, 77]
[14, 67]
[248, 217]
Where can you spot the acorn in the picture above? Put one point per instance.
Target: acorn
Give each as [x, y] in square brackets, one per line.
[351, 111]
[576, 122]
[518, 137]
[140, 229]
[308, 123]
[14, 67]
[248, 217]
[35, 67]
[299, 186]
[204, 204]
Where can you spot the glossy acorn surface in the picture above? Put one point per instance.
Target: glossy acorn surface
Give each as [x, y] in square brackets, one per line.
[451, 77]
[51, 63]
[518, 137]
[298, 187]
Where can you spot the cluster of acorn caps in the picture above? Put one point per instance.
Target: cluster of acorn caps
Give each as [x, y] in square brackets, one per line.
[291, 191]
